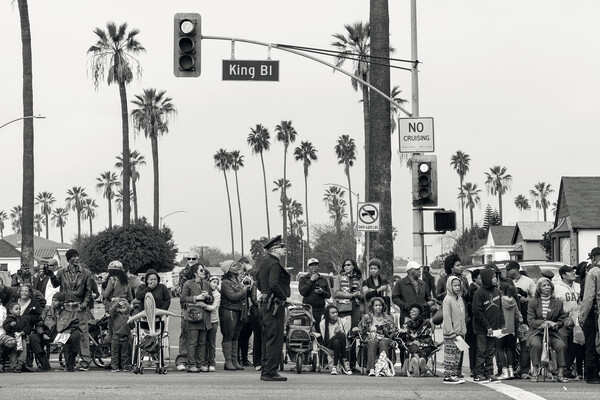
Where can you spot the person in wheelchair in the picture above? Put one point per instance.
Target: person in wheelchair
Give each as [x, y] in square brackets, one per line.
[377, 327]
[418, 336]
[334, 331]
[545, 310]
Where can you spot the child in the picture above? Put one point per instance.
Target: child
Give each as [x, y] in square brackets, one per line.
[419, 340]
[487, 317]
[211, 336]
[453, 325]
[58, 320]
[14, 325]
[507, 345]
[121, 335]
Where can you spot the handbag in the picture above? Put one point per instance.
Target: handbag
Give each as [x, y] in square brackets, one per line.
[194, 313]
[343, 305]
[548, 358]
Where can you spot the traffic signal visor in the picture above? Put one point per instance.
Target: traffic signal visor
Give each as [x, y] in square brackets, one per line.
[187, 37]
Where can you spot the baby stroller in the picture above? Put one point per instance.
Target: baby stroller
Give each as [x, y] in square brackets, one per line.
[301, 346]
[152, 345]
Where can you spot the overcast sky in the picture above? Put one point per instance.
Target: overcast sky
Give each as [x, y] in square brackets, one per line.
[511, 83]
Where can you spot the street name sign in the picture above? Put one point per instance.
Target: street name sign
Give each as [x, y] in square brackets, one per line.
[368, 217]
[416, 135]
[250, 70]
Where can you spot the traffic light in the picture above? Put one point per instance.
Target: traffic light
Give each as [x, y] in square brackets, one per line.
[444, 220]
[424, 180]
[187, 37]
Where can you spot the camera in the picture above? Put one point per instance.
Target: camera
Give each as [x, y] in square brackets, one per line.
[247, 281]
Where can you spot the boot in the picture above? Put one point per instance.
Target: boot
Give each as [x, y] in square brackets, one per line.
[70, 361]
[234, 354]
[591, 376]
[226, 346]
[44, 363]
[504, 374]
[511, 373]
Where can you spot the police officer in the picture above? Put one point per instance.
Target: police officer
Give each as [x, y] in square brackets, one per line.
[274, 284]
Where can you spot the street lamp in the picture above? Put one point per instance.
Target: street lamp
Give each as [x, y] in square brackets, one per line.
[171, 213]
[27, 117]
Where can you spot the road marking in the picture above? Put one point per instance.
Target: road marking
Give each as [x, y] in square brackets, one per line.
[510, 391]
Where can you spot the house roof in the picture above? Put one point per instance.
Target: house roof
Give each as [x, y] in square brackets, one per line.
[7, 250]
[582, 200]
[531, 230]
[38, 242]
[502, 235]
[44, 252]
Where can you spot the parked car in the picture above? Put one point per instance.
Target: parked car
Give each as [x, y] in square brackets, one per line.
[532, 268]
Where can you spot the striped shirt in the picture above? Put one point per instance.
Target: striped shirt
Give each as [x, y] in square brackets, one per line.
[545, 306]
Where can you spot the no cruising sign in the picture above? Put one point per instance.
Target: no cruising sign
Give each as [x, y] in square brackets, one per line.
[368, 217]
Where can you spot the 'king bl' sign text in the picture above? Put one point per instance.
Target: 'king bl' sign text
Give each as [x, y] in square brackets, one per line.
[246, 70]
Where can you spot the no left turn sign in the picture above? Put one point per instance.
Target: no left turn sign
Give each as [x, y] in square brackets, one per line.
[368, 217]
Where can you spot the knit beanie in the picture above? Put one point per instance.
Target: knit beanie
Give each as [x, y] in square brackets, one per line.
[226, 265]
[59, 296]
[71, 253]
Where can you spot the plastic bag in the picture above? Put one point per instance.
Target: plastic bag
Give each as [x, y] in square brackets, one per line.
[578, 336]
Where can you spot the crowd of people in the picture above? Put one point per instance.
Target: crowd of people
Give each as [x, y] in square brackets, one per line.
[499, 318]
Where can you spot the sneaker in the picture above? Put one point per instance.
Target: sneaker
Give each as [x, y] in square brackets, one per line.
[115, 370]
[211, 368]
[493, 379]
[524, 376]
[246, 363]
[345, 368]
[334, 370]
[481, 379]
[181, 367]
[453, 380]
[258, 368]
[204, 368]
[372, 372]
[84, 368]
[578, 378]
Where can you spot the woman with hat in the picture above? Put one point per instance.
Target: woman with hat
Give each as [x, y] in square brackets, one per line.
[233, 306]
[116, 289]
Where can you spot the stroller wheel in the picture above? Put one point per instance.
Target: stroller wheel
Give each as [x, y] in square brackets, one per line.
[298, 363]
[164, 370]
[315, 363]
[134, 369]
[142, 370]
[101, 355]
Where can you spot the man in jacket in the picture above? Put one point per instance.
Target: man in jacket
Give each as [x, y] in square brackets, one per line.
[22, 276]
[314, 290]
[274, 284]
[588, 316]
[409, 290]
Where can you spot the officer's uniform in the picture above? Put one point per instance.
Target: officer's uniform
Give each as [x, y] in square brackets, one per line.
[273, 282]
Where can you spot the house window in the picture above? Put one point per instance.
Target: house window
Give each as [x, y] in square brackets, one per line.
[565, 249]
[488, 259]
[3, 267]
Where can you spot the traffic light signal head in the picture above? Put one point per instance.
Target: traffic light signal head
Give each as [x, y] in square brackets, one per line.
[424, 180]
[186, 37]
[444, 220]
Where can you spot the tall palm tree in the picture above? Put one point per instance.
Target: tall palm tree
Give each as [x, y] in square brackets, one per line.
[355, 44]
[74, 200]
[470, 196]
[279, 186]
[345, 149]
[113, 55]
[107, 183]
[60, 216]
[237, 162]
[258, 140]
[136, 160]
[540, 192]
[460, 161]
[3, 217]
[119, 199]
[395, 95]
[28, 138]
[45, 200]
[89, 211]
[285, 134]
[152, 117]
[498, 182]
[16, 216]
[306, 153]
[522, 203]
[222, 160]
[334, 198]
[38, 224]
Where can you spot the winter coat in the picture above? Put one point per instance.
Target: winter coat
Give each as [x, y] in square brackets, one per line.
[535, 319]
[487, 306]
[233, 294]
[190, 290]
[404, 294]
[511, 313]
[307, 287]
[454, 310]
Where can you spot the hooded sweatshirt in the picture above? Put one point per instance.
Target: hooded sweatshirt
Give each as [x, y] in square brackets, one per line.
[487, 308]
[453, 306]
[511, 314]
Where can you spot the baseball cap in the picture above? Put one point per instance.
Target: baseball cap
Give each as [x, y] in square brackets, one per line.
[412, 265]
[595, 252]
[512, 265]
[312, 261]
[546, 273]
[564, 269]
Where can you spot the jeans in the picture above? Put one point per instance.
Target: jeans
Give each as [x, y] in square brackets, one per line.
[535, 349]
[84, 344]
[211, 344]
[256, 324]
[120, 352]
[196, 351]
[374, 348]
[486, 347]
[337, 343]
[181, 358]
[231, 324]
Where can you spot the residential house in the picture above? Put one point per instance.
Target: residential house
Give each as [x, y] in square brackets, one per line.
[526, 240]
[10, 258]
[42, 248]
[498, 244]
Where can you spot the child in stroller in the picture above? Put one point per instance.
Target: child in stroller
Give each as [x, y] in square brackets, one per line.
[300, 338]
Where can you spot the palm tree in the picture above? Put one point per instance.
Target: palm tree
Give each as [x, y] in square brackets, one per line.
[355, 45]
[334, 198]
[28, 138]
[345, 149]
[258, 140]
[89, 211]
[470, 197]
[279, 187]
[498, 182]
[45, 200]
[152, 117]
[237, 162]
[16, 216]
[38, 224]
[395, 95]
[522, 203]
[113, 56]
[119, 199]
[222, 160]
[60, 215]
[460, 161]
[107, 183]
[136, 160]
[285, 134]
[75, 202]
[540, 193]
[3, 217]
[306, 153]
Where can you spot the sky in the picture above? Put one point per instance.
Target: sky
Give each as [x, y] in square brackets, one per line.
[510, 83]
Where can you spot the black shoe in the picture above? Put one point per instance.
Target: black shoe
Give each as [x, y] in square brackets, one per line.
[273, 378]
[592, 381]
[246, 363]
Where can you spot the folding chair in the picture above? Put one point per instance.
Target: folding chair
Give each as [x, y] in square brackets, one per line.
[325, 356]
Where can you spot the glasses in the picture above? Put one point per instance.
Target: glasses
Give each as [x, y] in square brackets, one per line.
[348, 265]
[191, 259]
